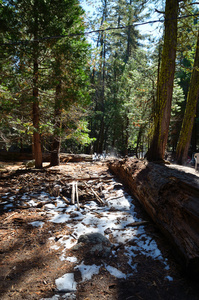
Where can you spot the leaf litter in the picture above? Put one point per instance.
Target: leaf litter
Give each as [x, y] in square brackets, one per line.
[40, 231]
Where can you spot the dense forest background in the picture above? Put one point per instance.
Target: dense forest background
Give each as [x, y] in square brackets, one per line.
[77, 82]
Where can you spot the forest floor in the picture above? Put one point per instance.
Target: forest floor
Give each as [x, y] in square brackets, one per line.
[40, 257]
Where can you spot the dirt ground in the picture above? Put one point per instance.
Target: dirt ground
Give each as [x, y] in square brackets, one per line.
[29, 265]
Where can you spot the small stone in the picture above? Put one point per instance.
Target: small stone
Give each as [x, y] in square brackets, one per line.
[29, 164]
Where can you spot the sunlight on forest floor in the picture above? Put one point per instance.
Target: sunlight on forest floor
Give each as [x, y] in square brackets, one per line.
[40, 227]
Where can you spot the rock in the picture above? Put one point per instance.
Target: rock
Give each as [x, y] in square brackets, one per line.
[97, 244]
[29, 163]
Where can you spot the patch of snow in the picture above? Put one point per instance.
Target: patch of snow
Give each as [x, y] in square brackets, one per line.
[55, 297]
[147, 246]
[67, 242]
[71, 259]
[167, 267]
[25, 197]
[87, 271]
[31, 202]
[69, 296]
[8, 206]
[116, 220]
[37, 223]
[55, 247]
[115, 272]
[43, 195]
[5, 202]
[60, 218]
[50, 206]
[60, 203]
[66, 283]
[120, 204]
[5, 194]
[169, 278]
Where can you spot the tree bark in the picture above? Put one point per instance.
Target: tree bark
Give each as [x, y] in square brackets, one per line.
[56, 144]
[189, 116]
[36, 113]
[171, 199]
[165, 84]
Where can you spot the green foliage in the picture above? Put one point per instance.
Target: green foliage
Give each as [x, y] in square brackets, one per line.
[109, 121]
[81, 134]
[137, 90]
[122, 83]
[60, 60]
[176, 115]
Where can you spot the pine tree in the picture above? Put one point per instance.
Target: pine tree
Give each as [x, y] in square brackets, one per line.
[188, 120]
[110, 121]
[42, 25]
[165, 84]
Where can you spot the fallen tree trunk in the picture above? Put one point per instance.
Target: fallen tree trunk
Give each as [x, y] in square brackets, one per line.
[171, 198]
[67, 157]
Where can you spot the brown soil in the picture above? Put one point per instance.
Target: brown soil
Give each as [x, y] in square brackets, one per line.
[29, 265]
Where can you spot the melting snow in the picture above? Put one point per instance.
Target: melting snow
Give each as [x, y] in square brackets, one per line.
[87, 271]
[72, 259]
[115, 272]
[115, 216]
[169, 278]
[118, 213]
[37, 223]
[66, 283]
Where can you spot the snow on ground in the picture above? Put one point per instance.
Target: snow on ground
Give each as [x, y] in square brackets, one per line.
[113, 218]
[118, 213]
[66, 283]
[87, 271]
[115, 272]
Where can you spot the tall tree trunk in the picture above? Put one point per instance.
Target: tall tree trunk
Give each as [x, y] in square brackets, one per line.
[126, 135]
[36, 112]
[129, 41]
[100, 143]
[189, 116]
[56, 144]
[101, 43]
[165, 84]
[138, 141]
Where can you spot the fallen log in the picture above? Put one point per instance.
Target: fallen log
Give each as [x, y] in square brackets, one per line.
[171, 198]
[68, 157]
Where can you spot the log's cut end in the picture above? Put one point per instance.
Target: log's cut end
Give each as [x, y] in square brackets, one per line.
[171, 198]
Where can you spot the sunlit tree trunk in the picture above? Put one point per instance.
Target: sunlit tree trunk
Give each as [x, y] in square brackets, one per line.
[165, 84]
[189, 116]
